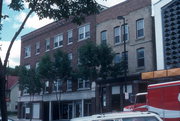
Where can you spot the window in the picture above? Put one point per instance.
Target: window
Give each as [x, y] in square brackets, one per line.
[37, 47]
[70, 56]
[140, 28]
[37, 65]
[58, 41]
[83, 84]
[27, 50]
[57, 85]
[27, 67]
[70, 36]
[47, 44]
[104, 96]
[117, 58]
[117, 35]
[84, 32]
[126, 32]
[103, 37]
[47, 86]
[69, 85]
[140, 57]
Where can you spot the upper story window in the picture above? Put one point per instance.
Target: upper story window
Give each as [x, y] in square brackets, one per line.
[126, 32]
[70, 56]
[27, 67]
[84, 32]
[104, 37]
[69, 85]
[47, 44]
[58, 41]
[83, 84]
[37, 47]
[117, 58]
[37, 65]
[57, 85]
[140, 28]
[70, 36]
[117, 35]
[27, 50]
[140, 57]
[46, 86]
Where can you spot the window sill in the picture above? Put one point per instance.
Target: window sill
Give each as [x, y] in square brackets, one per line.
[69, 90]
[83, 39]
[70, 43]
[37, 53]
[27, 57]
[57, 47]
[140, 38]
[140, 68]
[47, 50]
[121, 43]
[80, 89]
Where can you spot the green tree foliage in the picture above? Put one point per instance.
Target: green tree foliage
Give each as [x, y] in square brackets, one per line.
[62, 65]
[106, 56]
[29, 81]
[46, 69]
[97, 61]
[89, 60]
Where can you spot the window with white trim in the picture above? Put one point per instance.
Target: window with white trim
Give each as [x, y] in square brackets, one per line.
[37, 48]
[47, 44]
[104, 37]
[140, 57]
[117, 35]
[117, 58]
[140, 28]
[57, 85]
[69, 85]
[84, 32]
[27, 50]
[70, 36]
[83, 84]
[46, 86]
[70, 56]
[28, 66]
[58, 41]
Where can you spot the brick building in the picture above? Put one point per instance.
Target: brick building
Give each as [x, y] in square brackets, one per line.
[139, 50]
[77, 96]
[80, 97]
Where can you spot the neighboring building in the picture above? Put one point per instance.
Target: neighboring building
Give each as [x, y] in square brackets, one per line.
[139, 50]
[77, 97]
[12, 93]
[167, 28]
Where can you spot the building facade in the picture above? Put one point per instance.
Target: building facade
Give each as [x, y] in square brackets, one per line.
[80, 97]
[77, 96]
[139, 54]
[167, 23]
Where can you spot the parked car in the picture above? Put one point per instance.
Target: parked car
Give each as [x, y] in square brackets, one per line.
[8, 119]
[122, 116]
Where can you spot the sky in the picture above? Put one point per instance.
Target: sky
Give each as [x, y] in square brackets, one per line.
[11, 25]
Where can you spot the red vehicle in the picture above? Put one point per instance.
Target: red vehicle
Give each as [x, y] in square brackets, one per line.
[163, 98]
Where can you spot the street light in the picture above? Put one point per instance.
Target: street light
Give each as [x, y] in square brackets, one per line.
[125, 59]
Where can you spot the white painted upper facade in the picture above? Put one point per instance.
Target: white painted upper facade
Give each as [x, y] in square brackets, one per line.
[156, 12]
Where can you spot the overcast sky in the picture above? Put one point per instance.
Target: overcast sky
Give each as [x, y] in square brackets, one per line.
[11, 24]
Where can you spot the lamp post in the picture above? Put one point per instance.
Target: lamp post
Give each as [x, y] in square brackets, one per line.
[125, 59]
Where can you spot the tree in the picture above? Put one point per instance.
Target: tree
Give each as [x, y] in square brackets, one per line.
[29, 82]
[63, 71]
[73, 10]
[89, 61]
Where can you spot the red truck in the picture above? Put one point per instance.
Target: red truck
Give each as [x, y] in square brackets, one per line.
[162, 98]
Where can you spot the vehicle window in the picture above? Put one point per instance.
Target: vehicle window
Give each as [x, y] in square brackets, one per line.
[141, 119]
